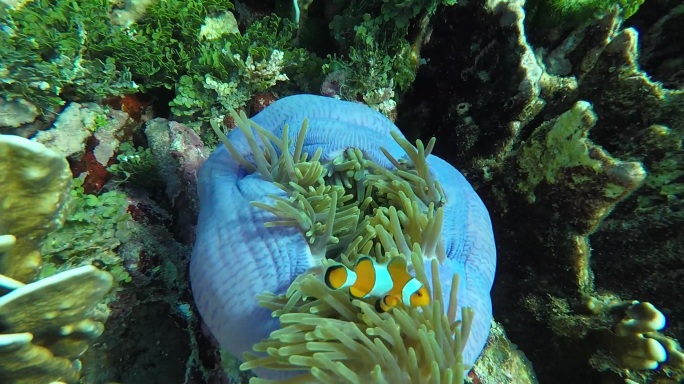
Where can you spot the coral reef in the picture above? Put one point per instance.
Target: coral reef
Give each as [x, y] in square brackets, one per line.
[89, 136]
[45, 325]
[227, 78]
[62, 236]
[570, 147]
[564, 115]
[48, 324]
[564, 14]
[34, 190]
[382, 53]
[46, 53]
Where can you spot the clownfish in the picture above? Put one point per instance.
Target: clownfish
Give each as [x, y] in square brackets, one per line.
[390, 283]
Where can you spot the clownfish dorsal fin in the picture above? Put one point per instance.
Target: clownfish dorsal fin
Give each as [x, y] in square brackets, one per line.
[363, 260]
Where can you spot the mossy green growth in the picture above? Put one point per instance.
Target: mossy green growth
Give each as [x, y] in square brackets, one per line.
[665, 170]
[233, 67]
[52, 52]
[62, 50]
[380, 57]
[93, 231]
[135, 165]
[45, 57]
[571, 13]
[370, 73]
[555, 146]
[164, 43]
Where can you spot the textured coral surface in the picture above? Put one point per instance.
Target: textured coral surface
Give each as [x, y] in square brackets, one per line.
[565, 117]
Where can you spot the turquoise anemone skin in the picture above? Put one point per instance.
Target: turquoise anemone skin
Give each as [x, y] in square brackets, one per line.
[235, 257]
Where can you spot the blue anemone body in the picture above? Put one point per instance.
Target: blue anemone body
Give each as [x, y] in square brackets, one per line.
[235, 257]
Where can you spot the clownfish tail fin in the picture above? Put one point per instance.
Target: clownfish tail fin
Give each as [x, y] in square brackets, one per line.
[336, 277]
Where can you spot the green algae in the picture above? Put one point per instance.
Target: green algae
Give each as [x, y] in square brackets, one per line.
[91, 234]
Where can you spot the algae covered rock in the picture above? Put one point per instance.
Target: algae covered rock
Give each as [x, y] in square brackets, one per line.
[584, 188]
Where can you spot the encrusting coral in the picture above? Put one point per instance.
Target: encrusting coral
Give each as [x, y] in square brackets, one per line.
[47, 324]
[321, 187]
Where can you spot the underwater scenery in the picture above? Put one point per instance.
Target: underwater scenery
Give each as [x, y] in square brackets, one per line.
[341, 191]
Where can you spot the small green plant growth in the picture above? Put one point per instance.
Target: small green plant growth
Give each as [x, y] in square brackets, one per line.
[53, 51]
[44, 56]
[379, 54]
[93, 231]
[232, 68]
[99, 121]
[566, 14]
[135, 165]
[164, 43]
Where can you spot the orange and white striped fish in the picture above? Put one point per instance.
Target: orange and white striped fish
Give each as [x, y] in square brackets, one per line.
[390, 283]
